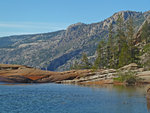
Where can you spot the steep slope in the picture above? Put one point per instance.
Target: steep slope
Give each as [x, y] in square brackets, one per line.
[138, 35]
[58, 50]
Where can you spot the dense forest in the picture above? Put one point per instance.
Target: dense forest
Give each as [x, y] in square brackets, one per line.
[121, 47]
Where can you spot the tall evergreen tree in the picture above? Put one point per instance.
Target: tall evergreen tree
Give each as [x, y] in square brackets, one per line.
[124, 56]
[120, 32]
[110, 35]
[110, 48]
[146, 32]
[130, 32]
[75, 66]
[100, 60]
[130, 40]
[85, 62]
[120, 37]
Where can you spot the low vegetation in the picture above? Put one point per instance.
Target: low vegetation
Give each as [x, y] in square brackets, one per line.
[127, 77]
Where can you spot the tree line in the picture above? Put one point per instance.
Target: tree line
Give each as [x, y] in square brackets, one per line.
[120, 48]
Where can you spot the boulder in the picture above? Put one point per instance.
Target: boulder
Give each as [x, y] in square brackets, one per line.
[144, 73]
[132, 66]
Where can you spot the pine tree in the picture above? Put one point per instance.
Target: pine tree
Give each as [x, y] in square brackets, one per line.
[130, 40]
[110, 52]
[121, 39]
[146, 32]
[100, 60]
[75, 65]
[110, 35]
[85, 63]
[130, 32]
[120, 32]
[125, 42]
[124, 55]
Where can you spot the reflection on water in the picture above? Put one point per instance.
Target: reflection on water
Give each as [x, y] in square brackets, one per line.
[122, 88]
[58, 98]
[148, 104]
[131, 91]
[5, 83]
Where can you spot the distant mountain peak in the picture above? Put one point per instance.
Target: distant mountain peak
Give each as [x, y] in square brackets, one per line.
[74, 27]
[127, 14]
[127, 11]
[76, 24]
[147, 14]
[147, 11]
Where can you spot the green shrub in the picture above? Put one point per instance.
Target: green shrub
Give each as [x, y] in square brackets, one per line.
[146, 48]
[127, 77]
[145, 59]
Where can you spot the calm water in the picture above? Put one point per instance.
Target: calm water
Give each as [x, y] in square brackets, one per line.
[58, 98]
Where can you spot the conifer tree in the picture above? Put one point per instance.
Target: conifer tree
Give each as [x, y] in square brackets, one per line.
[120, 32]
[121, 39]
[85, 63]
[130, 32]
[100, 60]
[146, 32]
[130, 40]
[125, 42]
[110, 48]
[75, 66]
[124, 56]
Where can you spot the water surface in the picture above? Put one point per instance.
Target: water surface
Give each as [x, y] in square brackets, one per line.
[59, 98]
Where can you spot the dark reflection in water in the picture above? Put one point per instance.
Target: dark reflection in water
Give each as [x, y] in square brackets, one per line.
[6, 83]
[148, 104]
[58, 98]
[132, 92]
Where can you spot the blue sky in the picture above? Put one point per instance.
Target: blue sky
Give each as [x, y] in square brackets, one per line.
[40, 16]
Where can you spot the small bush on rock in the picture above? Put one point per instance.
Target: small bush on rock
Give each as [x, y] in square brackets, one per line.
[127, 77]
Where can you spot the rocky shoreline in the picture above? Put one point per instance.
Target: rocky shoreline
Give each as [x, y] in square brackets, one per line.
[24, 74]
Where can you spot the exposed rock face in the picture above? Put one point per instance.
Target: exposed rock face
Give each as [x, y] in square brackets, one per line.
[145, 76]
[99, 75]
[24, 74]
[138, 35]
[20, 74]
[66, 75]
[58, 50]
[15, 79]
[132, 66]
[106, 76]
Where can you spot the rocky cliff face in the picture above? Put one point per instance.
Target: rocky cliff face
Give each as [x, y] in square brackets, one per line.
[58, 50]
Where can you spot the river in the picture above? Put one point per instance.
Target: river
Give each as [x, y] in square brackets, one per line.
[60, 98]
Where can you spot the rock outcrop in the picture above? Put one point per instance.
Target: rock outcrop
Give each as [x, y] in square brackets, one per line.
[24, 74]
[132, 66]
[20, 74]
[15, 79]
[99, 75]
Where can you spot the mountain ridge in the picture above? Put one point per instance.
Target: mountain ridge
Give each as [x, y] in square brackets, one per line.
[58, 50]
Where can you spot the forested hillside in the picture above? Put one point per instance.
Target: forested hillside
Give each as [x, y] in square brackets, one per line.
[122, 47]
